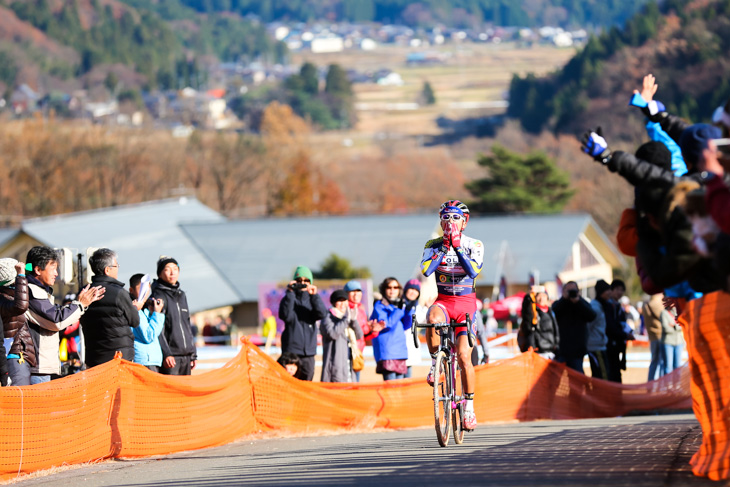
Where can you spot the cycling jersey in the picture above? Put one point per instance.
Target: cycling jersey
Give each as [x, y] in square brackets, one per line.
[455, 270]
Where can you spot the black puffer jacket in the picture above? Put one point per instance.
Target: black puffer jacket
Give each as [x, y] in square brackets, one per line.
[299, 311]
[13, 305]
[107, 324]
[177, 338]
[572, 320]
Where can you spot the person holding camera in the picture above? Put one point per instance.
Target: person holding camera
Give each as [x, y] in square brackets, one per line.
[147, 349]
[539, 326]
[300, 309]
[572, 313]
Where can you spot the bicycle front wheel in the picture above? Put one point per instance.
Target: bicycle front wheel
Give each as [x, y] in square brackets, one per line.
[442, 398]
[458, 412]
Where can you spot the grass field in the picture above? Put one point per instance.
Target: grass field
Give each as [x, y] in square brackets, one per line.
[469, 74]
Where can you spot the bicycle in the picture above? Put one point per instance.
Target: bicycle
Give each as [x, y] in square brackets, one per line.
[448, 394]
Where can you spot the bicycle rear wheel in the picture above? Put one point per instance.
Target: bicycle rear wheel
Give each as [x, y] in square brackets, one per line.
[442, 398]
[457, 415]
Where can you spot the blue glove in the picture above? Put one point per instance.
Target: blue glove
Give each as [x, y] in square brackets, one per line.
[637, 101]
[652, 109]
[596, 146]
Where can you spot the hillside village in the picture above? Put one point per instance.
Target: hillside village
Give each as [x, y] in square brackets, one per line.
[208, 106]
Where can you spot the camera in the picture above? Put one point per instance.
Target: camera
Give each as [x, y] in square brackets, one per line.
[723, 145]
[299, 285]
[572, 293]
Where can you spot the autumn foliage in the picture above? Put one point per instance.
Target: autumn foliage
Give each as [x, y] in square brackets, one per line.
[50, 166]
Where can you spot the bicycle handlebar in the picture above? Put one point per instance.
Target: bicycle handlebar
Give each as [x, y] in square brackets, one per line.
[438, 325]
[453, 324]
[416, 325]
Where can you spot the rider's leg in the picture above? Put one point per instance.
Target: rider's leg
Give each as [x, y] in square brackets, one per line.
[463, 354]
[435, 315]
[468, 380]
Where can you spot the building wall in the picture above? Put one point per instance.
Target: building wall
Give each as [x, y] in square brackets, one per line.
[245, 316]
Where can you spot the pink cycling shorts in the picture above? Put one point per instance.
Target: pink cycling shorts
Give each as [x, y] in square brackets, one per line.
[458, 307]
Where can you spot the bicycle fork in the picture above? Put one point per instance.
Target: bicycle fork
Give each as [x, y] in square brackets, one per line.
[456, 401]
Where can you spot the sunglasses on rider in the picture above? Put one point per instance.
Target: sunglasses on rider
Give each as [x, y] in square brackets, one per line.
[451, 216]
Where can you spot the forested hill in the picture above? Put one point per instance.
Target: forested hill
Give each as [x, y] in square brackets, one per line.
[427, 13]
[63, 40]
[684, 43]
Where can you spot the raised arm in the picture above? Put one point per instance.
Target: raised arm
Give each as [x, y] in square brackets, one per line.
[433, 254]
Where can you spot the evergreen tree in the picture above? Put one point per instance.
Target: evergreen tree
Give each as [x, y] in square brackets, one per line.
[310, 78]
[427, 95]
[337, 83]
[340, 97]
[519, 184]
[336, 267]
[8, 69]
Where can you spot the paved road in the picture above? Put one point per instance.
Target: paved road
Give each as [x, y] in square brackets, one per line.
[634, 451]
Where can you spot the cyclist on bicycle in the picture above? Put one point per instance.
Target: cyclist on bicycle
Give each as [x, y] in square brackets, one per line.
[457, 260]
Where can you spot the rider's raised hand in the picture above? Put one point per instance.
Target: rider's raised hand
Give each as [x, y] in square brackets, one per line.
[455, 236]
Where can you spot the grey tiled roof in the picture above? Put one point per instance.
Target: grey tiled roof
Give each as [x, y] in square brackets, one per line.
[140, 234]
[247, 252]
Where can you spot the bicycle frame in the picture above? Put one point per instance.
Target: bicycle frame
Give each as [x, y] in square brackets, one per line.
[448, 346]
[453, 402]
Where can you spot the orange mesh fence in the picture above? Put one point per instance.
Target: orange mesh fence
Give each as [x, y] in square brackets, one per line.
[121, 409]
[706, 323]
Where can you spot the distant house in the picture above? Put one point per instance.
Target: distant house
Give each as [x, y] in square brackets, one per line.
[101, 110]
[156, 103]
[390, 79]
[368, 44]
[322, 44]
[207, 109]
[24, 99]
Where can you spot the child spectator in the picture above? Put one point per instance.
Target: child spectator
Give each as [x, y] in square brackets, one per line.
[290, 362]
[147, 350]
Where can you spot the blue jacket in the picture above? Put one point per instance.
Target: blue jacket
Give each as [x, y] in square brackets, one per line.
[390, 344]
[147, 350]
[656, 133]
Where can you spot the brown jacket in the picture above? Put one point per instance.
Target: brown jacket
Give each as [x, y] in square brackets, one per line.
[13, 305]
[652, 312]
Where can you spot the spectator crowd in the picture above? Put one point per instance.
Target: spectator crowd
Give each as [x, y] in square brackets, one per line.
[148, 323]
[345, 329]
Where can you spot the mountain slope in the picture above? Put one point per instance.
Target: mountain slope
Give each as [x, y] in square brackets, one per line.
[683, 43]
[63, 40]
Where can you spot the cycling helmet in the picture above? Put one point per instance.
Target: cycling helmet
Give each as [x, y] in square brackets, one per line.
[455, 204]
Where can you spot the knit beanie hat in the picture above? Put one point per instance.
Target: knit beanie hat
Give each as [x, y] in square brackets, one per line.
[7, 271]
[601, 287]
[163, 261]
[339, 295]
[412, 284]
[694, 140]
[655, 153]
[304, 273]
